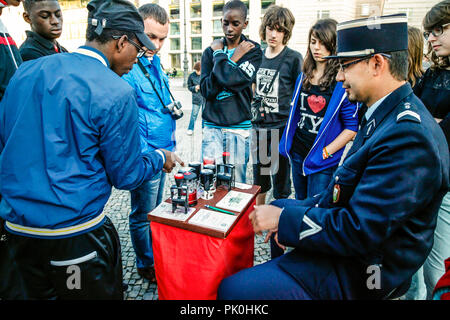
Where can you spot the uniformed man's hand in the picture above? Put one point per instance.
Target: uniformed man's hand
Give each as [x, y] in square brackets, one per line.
[217, 44]
[241, 50]
[265, 217]
[275, 237]
[171, 161]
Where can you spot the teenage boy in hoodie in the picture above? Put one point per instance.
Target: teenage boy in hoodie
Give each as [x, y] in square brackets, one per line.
[229, 67]
[46, 20]
[9, 54]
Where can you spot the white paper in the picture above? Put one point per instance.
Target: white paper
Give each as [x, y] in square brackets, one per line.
[242, 186]
[213, 220]
[235, 201]
[164, 210]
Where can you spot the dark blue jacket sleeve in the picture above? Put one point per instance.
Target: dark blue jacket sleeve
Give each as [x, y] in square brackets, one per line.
[120, 147]
[383, 198]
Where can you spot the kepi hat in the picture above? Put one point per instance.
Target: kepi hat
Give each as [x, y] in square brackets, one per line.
[363, 37]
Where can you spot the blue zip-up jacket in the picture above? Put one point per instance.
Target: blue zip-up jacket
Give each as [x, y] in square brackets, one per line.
[340, 114]
[68, 133]
[156, 125]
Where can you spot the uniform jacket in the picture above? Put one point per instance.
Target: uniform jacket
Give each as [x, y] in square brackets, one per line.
[156, 125]
[10, 58]
[219, 73]
[340, 114]
[68, 134]
[373, 227]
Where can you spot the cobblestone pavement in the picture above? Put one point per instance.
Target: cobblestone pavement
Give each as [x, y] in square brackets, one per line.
[118, 206]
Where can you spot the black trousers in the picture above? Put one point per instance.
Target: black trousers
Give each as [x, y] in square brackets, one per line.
[11, 284]
[86, 266]
[268, 164]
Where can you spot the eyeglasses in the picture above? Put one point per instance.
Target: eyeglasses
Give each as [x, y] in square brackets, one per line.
[437, 31]
[141, 51]
[343, 66]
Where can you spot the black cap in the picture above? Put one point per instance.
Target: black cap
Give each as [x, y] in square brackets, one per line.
[363, 37]
[119, 15]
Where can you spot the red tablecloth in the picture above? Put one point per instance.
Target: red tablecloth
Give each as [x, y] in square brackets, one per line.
[190, 265]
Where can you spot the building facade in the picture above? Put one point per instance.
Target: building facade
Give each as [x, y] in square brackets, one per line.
[415, 9]
[194, 24]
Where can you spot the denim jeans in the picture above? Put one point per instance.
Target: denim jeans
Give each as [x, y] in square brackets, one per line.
[144, 199]
[433, 269]
[236, 141]
[308, 186]
[194, 114]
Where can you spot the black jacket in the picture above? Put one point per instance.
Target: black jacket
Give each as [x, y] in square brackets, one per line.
[193, 81]
[36, 46]
[220, 74]
[434, 91]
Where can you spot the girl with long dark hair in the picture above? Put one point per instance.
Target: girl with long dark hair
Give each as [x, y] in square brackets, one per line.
[321, 121]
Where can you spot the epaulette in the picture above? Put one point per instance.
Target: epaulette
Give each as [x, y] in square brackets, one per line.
[406, 113]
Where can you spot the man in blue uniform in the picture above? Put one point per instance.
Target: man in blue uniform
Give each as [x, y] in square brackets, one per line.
[372, 228]
[69, 133]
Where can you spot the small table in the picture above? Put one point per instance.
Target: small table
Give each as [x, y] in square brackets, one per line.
[191, 261]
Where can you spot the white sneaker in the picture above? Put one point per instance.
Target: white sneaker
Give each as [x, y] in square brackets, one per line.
[189, 132]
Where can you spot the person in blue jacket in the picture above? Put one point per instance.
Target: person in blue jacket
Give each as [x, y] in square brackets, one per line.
[69, 133]
[366, 235]
[321, 120]
[157, 129]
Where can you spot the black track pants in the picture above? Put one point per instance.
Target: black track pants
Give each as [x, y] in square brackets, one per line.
[86, 266]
